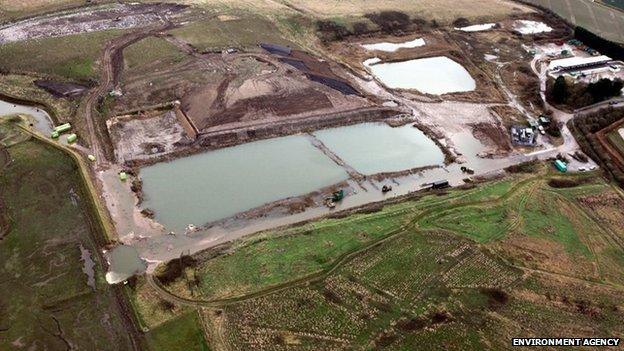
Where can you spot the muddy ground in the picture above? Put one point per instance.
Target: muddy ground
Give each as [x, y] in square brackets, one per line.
[61, 89]
[146, 135]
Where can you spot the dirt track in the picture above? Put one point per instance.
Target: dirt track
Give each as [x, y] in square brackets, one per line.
[110, 59]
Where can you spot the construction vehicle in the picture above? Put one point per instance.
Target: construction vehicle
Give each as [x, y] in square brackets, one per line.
[386, 188]
[338, 195]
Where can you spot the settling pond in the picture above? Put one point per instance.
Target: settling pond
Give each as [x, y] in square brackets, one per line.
[432, 75]
[218, 184]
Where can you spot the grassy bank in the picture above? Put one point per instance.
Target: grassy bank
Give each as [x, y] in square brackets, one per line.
[71, 56]
[455, 265]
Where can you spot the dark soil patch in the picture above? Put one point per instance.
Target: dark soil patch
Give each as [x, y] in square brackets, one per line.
[280, 105]
[411, 324]
[331, 296]
[440, 317]
[496, 297]
[61, 89]
[524, 167]
[567, 182]
[173, 269]
[385, 339]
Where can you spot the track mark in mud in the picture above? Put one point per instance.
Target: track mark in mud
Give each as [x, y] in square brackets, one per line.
[111, 63]
[340, 162]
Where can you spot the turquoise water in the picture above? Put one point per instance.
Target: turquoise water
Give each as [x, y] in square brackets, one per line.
[372, 148]
[213, 185]
[432, 75]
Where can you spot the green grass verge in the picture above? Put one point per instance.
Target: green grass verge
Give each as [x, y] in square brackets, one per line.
[183, 333]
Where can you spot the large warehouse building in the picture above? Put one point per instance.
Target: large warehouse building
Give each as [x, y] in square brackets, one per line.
[573, 63]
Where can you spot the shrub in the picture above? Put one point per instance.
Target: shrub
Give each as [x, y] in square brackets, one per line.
[390, 21]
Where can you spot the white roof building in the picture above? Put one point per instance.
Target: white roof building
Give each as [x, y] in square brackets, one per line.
[577, 62]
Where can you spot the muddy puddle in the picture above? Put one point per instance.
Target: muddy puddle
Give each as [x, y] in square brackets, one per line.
[432, 75]
[88, 266]
[124, 262]
[39, 118]
[372, 148]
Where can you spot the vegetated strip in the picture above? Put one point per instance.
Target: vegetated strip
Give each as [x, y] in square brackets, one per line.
[102, 226]
[341, 260]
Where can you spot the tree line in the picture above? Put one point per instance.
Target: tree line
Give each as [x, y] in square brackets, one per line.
[585, 127]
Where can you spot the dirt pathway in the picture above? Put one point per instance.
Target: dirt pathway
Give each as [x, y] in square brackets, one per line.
[111, 61]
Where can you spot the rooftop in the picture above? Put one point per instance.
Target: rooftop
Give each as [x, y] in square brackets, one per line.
[577, 61]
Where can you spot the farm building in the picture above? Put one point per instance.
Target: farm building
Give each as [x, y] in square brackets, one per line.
[572, 63]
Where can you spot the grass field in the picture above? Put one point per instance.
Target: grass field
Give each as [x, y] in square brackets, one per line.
[45, 296]
[605, 21]
[151, 53]
[70, 57]
[276, 257]
[184, 333]
[445, 12]
[468, 268]
[14, 9]
[244, 31]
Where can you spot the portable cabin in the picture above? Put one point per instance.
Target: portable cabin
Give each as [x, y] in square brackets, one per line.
[91, 158]
[561, 166]
[54, 135]
[62, 128]
[123, 176]
[72, 138]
